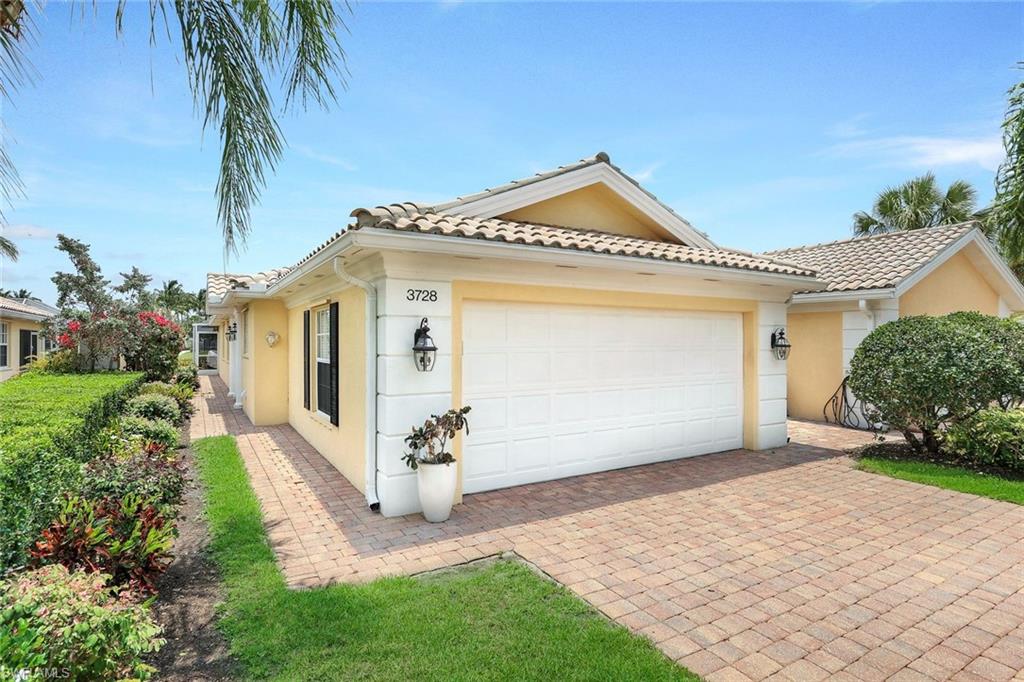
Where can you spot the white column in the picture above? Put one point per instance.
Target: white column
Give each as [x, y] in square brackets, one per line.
[406, 397]
[771, 379]
[235, 363]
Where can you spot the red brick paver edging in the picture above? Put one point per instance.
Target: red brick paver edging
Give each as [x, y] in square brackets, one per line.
[742, 565]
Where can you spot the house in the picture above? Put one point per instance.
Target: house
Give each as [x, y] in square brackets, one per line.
[872, 280]
[21, 320]
[588, 325]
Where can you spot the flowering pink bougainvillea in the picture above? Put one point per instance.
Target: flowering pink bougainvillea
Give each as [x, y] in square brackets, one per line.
[74, 326]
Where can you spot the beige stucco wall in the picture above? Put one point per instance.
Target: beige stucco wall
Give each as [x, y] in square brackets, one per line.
[265, 369]
[815, 365]
[594, 207]
[343, 445]
[954, 285]
[14, 327]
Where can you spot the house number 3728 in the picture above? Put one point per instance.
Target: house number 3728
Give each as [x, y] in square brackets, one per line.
[421, 295]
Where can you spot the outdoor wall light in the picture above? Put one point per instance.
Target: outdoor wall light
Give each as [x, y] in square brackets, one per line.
[780, 344]
[424, 352]
[272, 338]
[232, 332]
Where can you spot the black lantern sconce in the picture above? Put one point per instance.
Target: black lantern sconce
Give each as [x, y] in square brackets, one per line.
[780, 344]
[424, 352]
[232, 333]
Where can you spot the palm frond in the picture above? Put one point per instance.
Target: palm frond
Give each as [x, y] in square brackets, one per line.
[865, 224]
[958, 203]
[230, 91]
[317, 60]
[1008, 210]
[8, 248]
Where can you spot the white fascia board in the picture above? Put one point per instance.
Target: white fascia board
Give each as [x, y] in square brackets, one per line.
[512, 199]
[830, 296]
[375, 238]
[17, 315]
[323, 256]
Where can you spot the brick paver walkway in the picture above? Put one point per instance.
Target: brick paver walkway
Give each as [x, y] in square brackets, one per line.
[741, 565]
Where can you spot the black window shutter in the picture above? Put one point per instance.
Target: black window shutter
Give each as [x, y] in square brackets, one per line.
[334, 364]
[25, 350]
[305, 359]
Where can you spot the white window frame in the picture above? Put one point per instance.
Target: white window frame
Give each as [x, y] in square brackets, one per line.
[5, 341]
[320, 314]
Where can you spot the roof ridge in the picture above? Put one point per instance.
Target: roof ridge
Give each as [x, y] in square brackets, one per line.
[973, 223]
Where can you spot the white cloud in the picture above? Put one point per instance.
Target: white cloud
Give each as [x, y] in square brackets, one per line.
[926, 152]
[28, 231]
[849, 127]
[647, 172]
[315, 155]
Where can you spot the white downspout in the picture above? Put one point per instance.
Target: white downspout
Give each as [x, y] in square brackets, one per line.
[371, 379]
[868, 313]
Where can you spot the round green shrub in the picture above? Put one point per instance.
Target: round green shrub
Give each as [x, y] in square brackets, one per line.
[153, 406]
[73, 622]
[925, 373]
[181, 393]
[157, 431]
[991, 438]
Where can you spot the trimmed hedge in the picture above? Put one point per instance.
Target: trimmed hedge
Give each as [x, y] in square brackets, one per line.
[49, 425]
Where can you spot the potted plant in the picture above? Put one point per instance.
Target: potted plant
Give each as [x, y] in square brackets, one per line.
[432, 463]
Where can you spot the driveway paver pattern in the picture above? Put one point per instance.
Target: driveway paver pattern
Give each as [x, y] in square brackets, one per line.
[787, 563]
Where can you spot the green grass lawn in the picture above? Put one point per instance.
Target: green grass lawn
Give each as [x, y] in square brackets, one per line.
[497, 621]
[947, 476]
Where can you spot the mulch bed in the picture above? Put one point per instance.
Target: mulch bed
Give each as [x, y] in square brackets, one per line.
[190, 591]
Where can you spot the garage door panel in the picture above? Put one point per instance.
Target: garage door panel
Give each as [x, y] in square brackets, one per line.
[641, 401]
[570, 448]
[605, 404]
[484, 372]
[529, 454]
[567, 408]
[571, 367]
[483, 460]
[575, 390]
[486, 332]
[529, 411]
[489, 414]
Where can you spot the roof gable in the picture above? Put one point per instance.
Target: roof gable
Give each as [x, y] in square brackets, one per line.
[511, 197]
[594, 207]
[877, 262]
[898, 261]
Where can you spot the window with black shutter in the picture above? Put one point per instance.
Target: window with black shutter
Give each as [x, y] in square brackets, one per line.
[334, 363]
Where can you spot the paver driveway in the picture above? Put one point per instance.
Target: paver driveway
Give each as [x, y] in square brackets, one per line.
[740, 565]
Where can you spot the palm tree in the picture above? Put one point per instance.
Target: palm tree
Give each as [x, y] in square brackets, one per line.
[7, 248]
[917, 204]
[1008, 207]
[231, 50]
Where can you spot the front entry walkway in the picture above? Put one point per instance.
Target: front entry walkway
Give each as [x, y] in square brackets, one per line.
[739, 565]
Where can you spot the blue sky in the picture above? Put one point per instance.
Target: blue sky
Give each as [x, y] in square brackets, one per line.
[766, 125]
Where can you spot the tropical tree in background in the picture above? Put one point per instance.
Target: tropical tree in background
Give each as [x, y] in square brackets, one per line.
[917, 204]
[1007, 215]
[230, 50]
[20, 293]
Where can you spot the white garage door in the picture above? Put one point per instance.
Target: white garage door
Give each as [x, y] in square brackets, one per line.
[560, 390]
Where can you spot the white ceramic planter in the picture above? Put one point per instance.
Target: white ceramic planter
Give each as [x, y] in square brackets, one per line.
[437, 490]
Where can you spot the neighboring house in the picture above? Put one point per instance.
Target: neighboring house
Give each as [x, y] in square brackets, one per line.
[588, 325]
[872, 280]
[21, 320]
